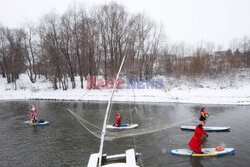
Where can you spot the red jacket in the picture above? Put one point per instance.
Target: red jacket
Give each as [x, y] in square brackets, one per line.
[196, 141]
[117, 119]
[32, 114]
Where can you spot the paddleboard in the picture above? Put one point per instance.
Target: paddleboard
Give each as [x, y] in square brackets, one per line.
[123, 126]
[206, 128]
[37, 123]
[206, 152]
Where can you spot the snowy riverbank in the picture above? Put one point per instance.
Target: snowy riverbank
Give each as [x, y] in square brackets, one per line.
[231, 89]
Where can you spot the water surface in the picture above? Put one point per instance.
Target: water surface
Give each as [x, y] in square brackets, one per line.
[66, 142]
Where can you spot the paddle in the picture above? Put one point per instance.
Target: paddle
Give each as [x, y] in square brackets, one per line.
[198, 146]
[208, 115]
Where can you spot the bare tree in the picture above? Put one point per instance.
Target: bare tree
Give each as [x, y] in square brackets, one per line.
[13, 53]
[65, 44]
[31, 47]
[3, 51]
[51, 44]
[245, 48]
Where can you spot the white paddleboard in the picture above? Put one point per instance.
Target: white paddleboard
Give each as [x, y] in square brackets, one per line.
[206, 128]
[37, 123]
[123, 126]
[206, 152]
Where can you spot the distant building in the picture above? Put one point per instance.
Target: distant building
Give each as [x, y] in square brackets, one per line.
[219, 53]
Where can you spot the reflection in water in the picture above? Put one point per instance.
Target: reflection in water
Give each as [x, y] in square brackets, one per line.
[65, 142]
[195, 161]
[35, 130]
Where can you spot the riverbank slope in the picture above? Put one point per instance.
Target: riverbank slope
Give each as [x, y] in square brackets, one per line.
[233, 88]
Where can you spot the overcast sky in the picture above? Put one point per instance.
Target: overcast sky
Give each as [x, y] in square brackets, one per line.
[217, 21]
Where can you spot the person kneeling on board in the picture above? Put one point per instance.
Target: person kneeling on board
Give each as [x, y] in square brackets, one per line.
[118, 118]
[203, 116]
[196, 141]
[33, 114]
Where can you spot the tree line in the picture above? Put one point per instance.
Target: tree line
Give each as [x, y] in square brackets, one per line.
[89, 43]
[205, 60]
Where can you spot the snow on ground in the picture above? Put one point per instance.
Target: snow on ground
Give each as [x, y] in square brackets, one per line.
[234, 88]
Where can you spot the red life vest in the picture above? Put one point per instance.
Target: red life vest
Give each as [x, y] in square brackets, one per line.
[203, 113]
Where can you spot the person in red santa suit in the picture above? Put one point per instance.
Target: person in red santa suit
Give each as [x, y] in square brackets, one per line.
[196, 141]
[33, 114]
[118, 118]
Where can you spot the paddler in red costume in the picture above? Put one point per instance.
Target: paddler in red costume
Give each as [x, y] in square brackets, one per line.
[196, 141]
[118, 118]
[33, 114]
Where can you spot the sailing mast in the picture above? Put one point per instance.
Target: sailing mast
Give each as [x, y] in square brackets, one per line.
[106, 115]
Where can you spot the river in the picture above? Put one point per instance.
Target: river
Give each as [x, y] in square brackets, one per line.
[66, 142]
